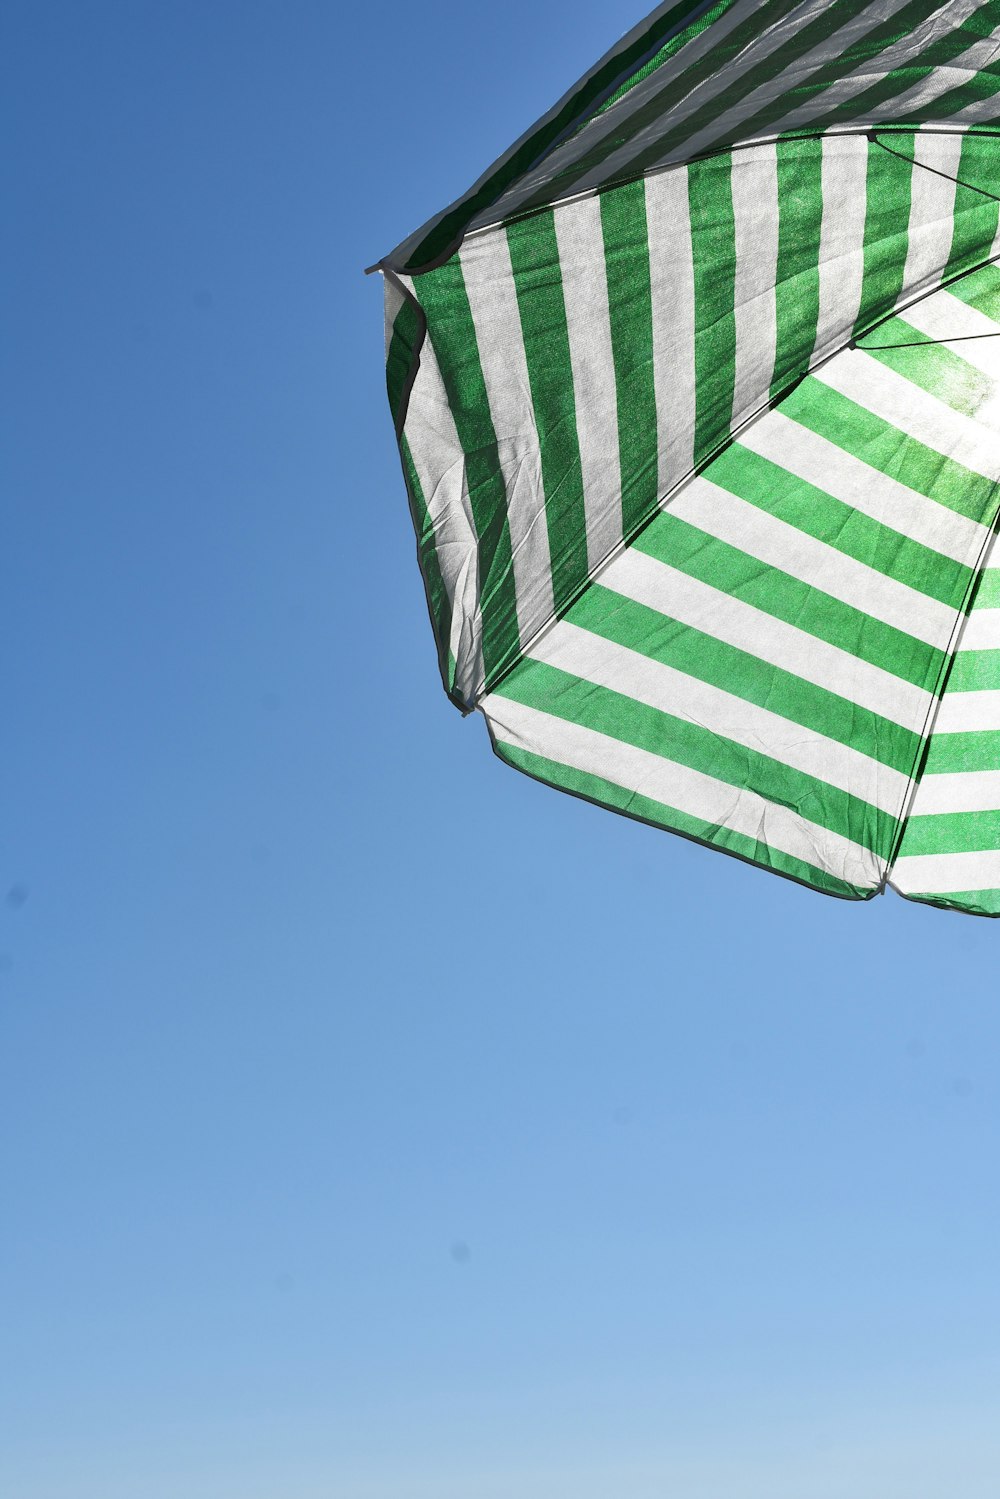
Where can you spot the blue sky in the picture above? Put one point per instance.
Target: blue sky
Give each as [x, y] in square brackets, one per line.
[375, 1123]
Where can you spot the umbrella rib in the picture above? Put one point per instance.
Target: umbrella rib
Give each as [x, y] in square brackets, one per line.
[924, 343]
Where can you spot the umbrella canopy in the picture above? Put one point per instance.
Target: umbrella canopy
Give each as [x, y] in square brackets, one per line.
[697, 393]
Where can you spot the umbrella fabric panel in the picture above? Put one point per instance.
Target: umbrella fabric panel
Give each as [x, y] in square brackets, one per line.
[434, 470]
[578, 365]
[949, 853]
[698, 410]
[786, 67]
[741, 72]
[759, 669]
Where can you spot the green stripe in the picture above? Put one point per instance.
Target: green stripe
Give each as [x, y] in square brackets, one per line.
[973, 902]
[975, 671]
[883, 447]
[578, 701]
[626, 258]
[736, 671]
[445, 301]
[970, 749]
[793, 600]
[887, 217]
[988, 590]
[713, 241]
[401, 355]
[953, 832]
[437, 595]
[535, 260]
[645, 809]
[800, 216]
[816, 513]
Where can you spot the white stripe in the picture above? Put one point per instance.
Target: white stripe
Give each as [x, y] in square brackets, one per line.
[836, 472]
[932, 210]
[930, 874]
[489, 282]
[440, 465]
[690, 602]
[813, 562]
[875, 70]
[671, 269]
[968, 712]
[844, 183]
[677, 786]
[912, 410]
[755, 211]
[982, 631]
[580, 241]
[958, 791]
[592, 658]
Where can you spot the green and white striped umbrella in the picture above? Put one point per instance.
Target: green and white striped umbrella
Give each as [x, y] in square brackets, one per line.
[697, 393]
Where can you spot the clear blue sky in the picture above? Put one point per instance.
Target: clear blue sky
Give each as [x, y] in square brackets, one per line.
[375, 1123]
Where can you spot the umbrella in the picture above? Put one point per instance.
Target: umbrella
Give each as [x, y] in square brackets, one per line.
[697, 394]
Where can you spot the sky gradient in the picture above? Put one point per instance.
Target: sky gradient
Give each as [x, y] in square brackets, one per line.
[374, 1122]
